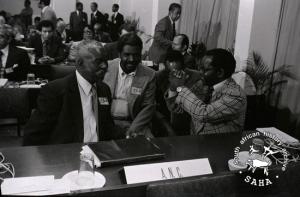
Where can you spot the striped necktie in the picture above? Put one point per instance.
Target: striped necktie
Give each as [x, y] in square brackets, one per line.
[95, 106]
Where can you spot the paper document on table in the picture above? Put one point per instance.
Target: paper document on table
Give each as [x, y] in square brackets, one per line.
[26, 184]
[283, 137]
[3, 82]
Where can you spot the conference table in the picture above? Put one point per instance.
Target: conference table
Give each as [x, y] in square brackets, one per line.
[60, 159]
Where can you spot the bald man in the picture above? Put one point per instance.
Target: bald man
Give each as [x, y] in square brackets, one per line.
[75, 108]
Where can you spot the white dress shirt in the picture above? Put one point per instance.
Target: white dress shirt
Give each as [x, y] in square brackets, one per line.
[89, 119]
[120, 101]
[4, 56]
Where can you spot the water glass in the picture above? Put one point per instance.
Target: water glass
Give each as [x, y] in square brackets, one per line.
[86, 170]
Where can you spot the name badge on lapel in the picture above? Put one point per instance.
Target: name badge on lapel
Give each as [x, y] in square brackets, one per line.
[103, 101]
[9, 70]
[136, 91]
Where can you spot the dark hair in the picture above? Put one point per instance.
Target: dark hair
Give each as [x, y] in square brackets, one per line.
[185, 40]
[45, 23]
[46, 2]
[95, 4]
[173, 6]
[129, 27]
[116, 5]
[222, 58]
[27, 3]
[130, 39]
[37, 18]
[79, 4]
[174, 56]
[59, 19]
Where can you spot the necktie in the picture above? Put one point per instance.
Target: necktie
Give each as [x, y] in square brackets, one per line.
[95, 106]
[45, 48]
[174, 30]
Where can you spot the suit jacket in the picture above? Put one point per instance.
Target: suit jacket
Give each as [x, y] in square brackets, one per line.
[77, 24]
[223, 114]
[103, 37]
[56, 48]
[17, 64]
[112, 50]
[49, 14]
[163, 37]
[189, 61]
[99, 18]
[114, 27]
[58, 118]
[141, 105]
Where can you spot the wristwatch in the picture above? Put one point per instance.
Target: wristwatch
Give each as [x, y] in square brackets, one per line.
[179, 89]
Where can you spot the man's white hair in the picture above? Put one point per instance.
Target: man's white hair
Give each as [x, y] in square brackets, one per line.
[92, 46]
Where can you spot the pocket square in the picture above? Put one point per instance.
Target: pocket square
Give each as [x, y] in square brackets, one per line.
[15, 65]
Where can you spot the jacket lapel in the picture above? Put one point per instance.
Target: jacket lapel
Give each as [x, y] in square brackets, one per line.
[111, 76]
[10, 58]
[76, 107]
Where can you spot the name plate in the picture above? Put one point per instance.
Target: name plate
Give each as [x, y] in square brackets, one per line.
[166, 170]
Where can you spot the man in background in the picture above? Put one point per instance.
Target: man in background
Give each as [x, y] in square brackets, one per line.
[96, 15]
[26, 14]
[75, 108]
[181, 43]
[14, 62]
[48, 46]
[117, 19]
[100, 35]
[47, 12]
[78, 20]
[165, 31]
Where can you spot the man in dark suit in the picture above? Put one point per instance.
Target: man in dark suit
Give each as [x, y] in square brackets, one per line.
[78, 20]
[14, 62]
[96, 15]
[75, 108]
[165, 31]
[181, 44]
[117, 20]
[48, 46]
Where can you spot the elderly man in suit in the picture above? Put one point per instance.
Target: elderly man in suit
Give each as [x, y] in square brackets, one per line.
[14, 62]
[48, 47]
[164, 33]
[96, 15]
[133, 88]
[75, 108]
[78, 20]
[225, 110]
[47, 12]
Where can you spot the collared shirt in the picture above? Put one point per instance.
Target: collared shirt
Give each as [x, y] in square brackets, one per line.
[43, 10]
[4, 56]
[219, 85]
[94, 13]
[89, 119]
[120, 102]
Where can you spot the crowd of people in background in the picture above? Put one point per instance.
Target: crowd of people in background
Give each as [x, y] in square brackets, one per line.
[107, 52]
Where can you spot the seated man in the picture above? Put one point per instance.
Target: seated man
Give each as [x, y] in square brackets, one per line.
[75, 108]
[133, 88]
[225, 111]
[48, 46]
[181, 43]
[14, 62]
[100, 35]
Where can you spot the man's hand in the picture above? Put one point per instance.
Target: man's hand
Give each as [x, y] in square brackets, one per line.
[177, 78]
[46, 60]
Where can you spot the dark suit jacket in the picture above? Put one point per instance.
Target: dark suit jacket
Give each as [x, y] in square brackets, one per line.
[99, 18]
[114, 29]
[17, 64]
[58, 118]
[77, 24]
[56, 48]
[189, 61]
[163, 37]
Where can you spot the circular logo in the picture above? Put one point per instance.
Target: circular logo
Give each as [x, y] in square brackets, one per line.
[261, 148]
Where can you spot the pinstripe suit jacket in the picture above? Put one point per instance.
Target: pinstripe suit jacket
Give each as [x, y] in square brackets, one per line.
[223, 114]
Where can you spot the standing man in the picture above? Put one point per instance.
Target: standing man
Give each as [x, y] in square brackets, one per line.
[133, 88]
[75, 108]
[26, 14]
[47, 12]
[165, 31]
[117, 20]
[78, 20]
[96, 15]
